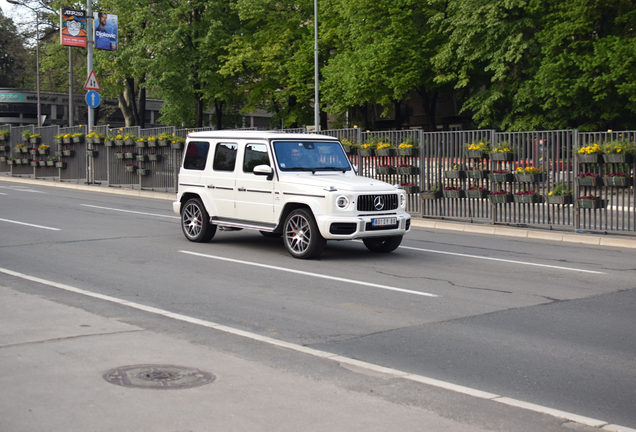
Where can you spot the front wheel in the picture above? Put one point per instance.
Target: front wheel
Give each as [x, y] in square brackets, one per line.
[382, 244]
[302, 237]
[195, 222]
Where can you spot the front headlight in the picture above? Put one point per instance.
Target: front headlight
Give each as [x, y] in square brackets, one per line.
[342, 202]
[403, 200]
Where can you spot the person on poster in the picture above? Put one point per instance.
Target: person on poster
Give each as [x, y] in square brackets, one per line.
[105, 38]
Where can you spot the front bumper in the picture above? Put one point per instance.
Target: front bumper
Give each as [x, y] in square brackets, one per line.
[348, 228]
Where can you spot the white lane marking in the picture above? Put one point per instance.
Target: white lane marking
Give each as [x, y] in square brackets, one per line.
[130, 211]
[31, 225]
[2, 193]
[20, 189]
[333, 357]
[501, 260]
[304, 273]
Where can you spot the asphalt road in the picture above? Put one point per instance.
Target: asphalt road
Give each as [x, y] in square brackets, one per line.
[544, 322]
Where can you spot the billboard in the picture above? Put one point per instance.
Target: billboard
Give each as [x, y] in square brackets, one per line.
[73, 27]
[105, 31]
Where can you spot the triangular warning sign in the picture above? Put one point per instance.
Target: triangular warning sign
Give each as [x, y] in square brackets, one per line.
[92, 83]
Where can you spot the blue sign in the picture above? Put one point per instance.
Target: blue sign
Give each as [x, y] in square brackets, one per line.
[93, 99]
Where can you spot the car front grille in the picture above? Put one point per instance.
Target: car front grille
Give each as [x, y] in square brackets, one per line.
[370, 203]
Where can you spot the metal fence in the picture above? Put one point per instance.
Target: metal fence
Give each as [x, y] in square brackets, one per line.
[427, 160]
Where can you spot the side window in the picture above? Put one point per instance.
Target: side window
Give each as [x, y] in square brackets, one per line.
[196, 155]
[255, 154]
[225, 157]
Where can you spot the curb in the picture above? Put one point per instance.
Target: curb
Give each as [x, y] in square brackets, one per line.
[417, 222]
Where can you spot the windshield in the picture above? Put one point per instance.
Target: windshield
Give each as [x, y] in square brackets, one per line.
[311, 156]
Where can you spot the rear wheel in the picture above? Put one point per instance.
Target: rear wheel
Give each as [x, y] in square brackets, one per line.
[302, 237]
[382, 244]
[195, 222]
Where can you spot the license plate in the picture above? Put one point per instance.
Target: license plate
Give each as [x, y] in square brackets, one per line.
[384, 221]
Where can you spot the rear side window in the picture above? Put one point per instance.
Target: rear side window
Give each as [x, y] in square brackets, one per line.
[225, 156]
[196, 155]
[255, 154]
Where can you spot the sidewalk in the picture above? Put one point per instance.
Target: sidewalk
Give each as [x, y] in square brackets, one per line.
[417, 222]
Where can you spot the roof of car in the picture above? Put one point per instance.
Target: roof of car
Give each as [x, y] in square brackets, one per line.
[257, 135]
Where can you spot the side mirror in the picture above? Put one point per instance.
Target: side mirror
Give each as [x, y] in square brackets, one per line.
[264, 170]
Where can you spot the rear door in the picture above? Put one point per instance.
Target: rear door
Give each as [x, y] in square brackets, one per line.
[218, 178]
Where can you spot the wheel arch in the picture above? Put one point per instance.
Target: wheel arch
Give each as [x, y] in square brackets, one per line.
[186, 196]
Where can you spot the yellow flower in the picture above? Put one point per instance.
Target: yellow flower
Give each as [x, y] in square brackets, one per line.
[550, 194]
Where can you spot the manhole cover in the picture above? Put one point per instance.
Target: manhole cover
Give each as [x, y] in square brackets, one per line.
[158, 377]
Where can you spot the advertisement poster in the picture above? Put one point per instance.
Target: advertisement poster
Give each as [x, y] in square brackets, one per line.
[105, 31]
[73, 27]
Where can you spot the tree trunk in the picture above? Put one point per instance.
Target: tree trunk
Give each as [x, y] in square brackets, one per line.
[125, 108]
[218, 111]
[141, 106]
[429, 103]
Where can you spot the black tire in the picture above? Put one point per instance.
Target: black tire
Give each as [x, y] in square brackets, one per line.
[271, 234]
[382, 244]
[301, 235]
[195, 222]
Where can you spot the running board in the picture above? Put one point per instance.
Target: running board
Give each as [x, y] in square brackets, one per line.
[245, 225]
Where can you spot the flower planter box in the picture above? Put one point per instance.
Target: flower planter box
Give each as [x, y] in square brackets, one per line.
[119, 155]
[98, 140]
[92, 153]
[24, 150]
[34, 163]
[589, 181]
[526, 199]
[78, 140]
[617, 181]
[154, 157]
[477, 193]
[477, 174]
[500, 178]
[57, 141]
[35, 141]
[455, 174]
[129, 142]
[176, 145]
[10, 161]
[130, 168]
[88, 140]
[33, 152]
[4, 137]
[143, 171]
[129, 155]
[365, 152]
[589, 203]
[407, 170]
[384, 152]
[589, 158]
[558, 199]
[412, 152]
[42, 163]
[529, 178]
[119, 143]
[152, 143]
[430, 195]
[501, 157]
[69, 152]
[109, 143]
[140, 144]
[476, 154]
[4, 148]
[163, 143]
[617, 158]
[142, 158]
[60, 165]
[50, 163]
[3, 158]
[59, 153]
[25, 161]
[385, 170]
[43, 152]
[454, 194]
[67, 140]
[500, 199]
[411, 189]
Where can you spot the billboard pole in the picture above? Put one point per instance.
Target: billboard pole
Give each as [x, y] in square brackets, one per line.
[71, 109]
[89, 55]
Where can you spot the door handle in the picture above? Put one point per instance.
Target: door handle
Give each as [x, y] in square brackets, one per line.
[242, 189]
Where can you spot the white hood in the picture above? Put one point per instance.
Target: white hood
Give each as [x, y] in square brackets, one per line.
[342, 182]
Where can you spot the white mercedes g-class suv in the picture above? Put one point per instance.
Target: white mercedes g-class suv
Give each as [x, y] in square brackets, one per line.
[298, 186]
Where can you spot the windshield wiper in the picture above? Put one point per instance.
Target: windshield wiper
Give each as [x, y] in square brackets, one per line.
[332, 168]
[312, 170]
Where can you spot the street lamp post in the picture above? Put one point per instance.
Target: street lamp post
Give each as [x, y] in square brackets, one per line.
[37, 52]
